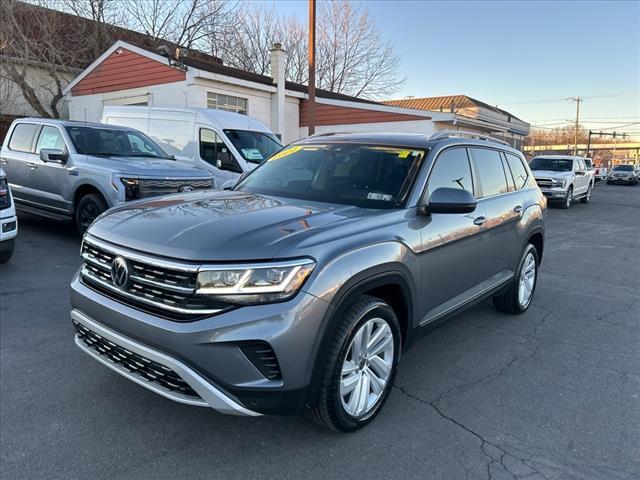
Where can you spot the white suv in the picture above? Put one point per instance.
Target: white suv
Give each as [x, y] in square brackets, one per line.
[8, 220]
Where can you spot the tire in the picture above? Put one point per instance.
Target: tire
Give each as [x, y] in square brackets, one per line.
[568, 198]
[7, 251]
[587, 198]
[89, 208]
[510, 301]
[328, 408]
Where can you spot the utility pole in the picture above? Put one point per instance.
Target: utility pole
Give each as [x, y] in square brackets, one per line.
[578, 100]
[589, 144]
[312, 67]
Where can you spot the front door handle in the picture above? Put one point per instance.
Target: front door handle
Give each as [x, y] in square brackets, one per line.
[517, 208]
[479, 220]
[32, 166]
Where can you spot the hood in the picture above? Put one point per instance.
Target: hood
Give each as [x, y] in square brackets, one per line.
[150, 167]
[217, 226]
[550, 174]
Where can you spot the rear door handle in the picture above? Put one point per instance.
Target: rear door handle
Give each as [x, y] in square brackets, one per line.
[517, 208]
[479, 220]
[32, 166]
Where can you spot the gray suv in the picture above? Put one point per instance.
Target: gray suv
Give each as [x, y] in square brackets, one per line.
[298, 289]
[74, 170]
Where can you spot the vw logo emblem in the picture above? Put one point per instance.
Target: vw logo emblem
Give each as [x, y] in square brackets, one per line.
[186, 189]
[120, 272]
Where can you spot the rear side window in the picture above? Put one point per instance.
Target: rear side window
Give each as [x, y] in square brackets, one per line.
[490, 172]
[50, 137]
[451, 170]
[22, 137]
[518, 170]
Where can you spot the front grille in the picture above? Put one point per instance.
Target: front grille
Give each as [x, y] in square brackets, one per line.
[544, 182]
[147, 369]
[151, 286]
[263, 358]
[150, 187]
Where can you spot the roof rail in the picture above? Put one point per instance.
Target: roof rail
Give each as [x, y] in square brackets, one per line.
[326, 134]
[464, 134]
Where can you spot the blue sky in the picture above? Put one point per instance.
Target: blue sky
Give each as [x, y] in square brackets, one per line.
[526, 57]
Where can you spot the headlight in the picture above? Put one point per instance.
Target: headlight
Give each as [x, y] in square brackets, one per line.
[5, 199]
[131, 188]
[558, 183]
[254, 284]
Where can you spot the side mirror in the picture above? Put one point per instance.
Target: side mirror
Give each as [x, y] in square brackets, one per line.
[226, 162]
[53, 155]
[450, 200]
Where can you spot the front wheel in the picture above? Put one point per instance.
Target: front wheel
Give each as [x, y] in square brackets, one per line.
[89, 208]
[6, 250]
[360, 367]
[519, 295]
[566, 203]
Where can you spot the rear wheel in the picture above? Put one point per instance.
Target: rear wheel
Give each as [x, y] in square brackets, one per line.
[519, 295]
[587, 197]
[89, 208]
[360, 367]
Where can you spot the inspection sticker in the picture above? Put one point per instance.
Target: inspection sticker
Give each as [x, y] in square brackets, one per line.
[379, 196]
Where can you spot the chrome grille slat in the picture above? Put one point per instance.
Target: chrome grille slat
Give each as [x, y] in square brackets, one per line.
[153, 285]
[149, 187]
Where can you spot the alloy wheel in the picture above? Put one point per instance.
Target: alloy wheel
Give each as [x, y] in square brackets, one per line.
[527, 280]
[366, 368]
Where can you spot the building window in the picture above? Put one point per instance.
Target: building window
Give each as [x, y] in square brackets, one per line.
[228, 103]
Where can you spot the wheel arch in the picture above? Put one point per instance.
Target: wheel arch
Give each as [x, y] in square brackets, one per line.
[86, 189]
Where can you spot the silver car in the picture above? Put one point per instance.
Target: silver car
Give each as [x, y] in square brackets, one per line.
[75, 171]
[298, 289]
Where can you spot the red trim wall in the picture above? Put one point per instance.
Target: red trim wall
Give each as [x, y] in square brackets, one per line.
[336, 115]
[126, 69]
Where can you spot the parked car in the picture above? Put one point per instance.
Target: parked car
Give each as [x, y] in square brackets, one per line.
[563, 178]
[299, 289]
[600, 173]
[75, 171]
[625, 174]
[8, 220]
[227, 144]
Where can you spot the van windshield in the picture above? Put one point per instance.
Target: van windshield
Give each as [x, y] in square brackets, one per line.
[255, 147]
[554, 164]
[114, 143]
[369, 176]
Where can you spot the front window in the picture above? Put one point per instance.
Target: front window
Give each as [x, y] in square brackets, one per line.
[228, 103]
[553, 164]
[623, 168]
[114, 143]
[368, 176]
[50, 137]
[255, 147]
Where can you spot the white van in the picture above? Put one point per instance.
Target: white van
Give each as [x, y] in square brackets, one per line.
[227, 144]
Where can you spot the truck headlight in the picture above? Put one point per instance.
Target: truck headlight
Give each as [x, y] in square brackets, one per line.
[254, 284]
[131, 188]
[558, 183]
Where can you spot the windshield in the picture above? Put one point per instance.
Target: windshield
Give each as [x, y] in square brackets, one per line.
[368, 176]
[114, 142]
[255, 147]
[623, 168]
[555, 164]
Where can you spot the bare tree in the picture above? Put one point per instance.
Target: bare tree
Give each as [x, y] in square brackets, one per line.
[188, 23]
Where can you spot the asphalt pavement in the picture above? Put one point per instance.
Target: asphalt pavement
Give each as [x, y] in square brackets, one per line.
[553, 393]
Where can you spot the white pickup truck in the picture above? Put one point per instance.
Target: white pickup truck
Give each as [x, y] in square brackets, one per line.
[563, 178]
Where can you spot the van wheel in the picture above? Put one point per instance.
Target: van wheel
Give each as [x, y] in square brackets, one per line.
[360, 368]
[89, 208]
[568, 198]
[7, 252]
[519, 295]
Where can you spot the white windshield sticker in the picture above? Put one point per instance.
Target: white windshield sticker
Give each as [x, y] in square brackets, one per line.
[379, 196]
[252, 154]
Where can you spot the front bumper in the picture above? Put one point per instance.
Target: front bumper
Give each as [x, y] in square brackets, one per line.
[621, 179]
[554, 193]
[208, 353]
[8, 228]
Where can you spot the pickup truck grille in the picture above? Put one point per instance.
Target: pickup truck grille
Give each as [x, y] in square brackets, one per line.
[544, 182]
[153, 285]
[150, 187]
